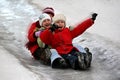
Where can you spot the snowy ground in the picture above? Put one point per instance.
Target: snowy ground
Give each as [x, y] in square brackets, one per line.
[102, 39]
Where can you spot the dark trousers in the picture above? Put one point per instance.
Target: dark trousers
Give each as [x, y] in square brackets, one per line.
[71, 58]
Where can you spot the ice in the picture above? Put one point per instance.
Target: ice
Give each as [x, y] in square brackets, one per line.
[102, 39]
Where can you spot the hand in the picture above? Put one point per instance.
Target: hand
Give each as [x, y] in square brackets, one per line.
[94, 16]
[37, 33]
[54, 27]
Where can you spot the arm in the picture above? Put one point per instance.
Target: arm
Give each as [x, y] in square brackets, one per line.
[80, 28]
[31, 33]
[84, 25]
[46, 36]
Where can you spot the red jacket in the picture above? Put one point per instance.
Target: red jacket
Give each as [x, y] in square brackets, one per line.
[32, 43]
[62, 40]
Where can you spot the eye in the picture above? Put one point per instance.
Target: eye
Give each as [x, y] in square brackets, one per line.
[62, 21]
[48, 19]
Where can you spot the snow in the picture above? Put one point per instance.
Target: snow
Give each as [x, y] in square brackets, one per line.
[11, 69]
[102, 39]
[107, 23]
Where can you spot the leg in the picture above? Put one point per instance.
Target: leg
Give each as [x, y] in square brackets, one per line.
[43, 55]
[87, 54]
[37, 53]
[80, 48]
[56, 60]
[71, 61]
[87, 57]
[81, 60]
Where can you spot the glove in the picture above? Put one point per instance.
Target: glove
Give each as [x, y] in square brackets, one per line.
[54, 27]
[94, 16]
[37, 33]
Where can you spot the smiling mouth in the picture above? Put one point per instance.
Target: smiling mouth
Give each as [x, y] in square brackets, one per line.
[59, 27]
[47, 25]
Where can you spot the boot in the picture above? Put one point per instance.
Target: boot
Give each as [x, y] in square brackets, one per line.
[59, 63]
[81, 61]
[88, 57]
[75, 65]
[62, 63]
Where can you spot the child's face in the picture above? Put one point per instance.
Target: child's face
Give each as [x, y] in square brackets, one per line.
[61, 24]
[46, 23]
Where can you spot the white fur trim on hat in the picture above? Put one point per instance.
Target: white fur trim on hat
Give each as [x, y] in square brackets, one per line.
[43, 17]
[59, 17]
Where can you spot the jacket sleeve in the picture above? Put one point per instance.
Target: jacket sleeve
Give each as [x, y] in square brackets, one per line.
[46, 36]
[80, 28]
[31, 32]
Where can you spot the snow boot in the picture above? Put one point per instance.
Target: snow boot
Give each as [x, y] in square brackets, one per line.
[81, 61]
[88, 57]
[75, 65]
[73, 61]
[59, 63]
[62, 63]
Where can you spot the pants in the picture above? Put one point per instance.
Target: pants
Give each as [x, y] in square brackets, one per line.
[46, 56]
[71, 58]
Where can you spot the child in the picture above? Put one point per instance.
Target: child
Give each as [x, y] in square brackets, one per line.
[60, 37]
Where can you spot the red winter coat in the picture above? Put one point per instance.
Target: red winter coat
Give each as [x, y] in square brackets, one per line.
[62, 40]
[32, 44]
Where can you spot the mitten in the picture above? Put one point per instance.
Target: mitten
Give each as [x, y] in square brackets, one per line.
[54, 27]
[37, 33]
[94, 16]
